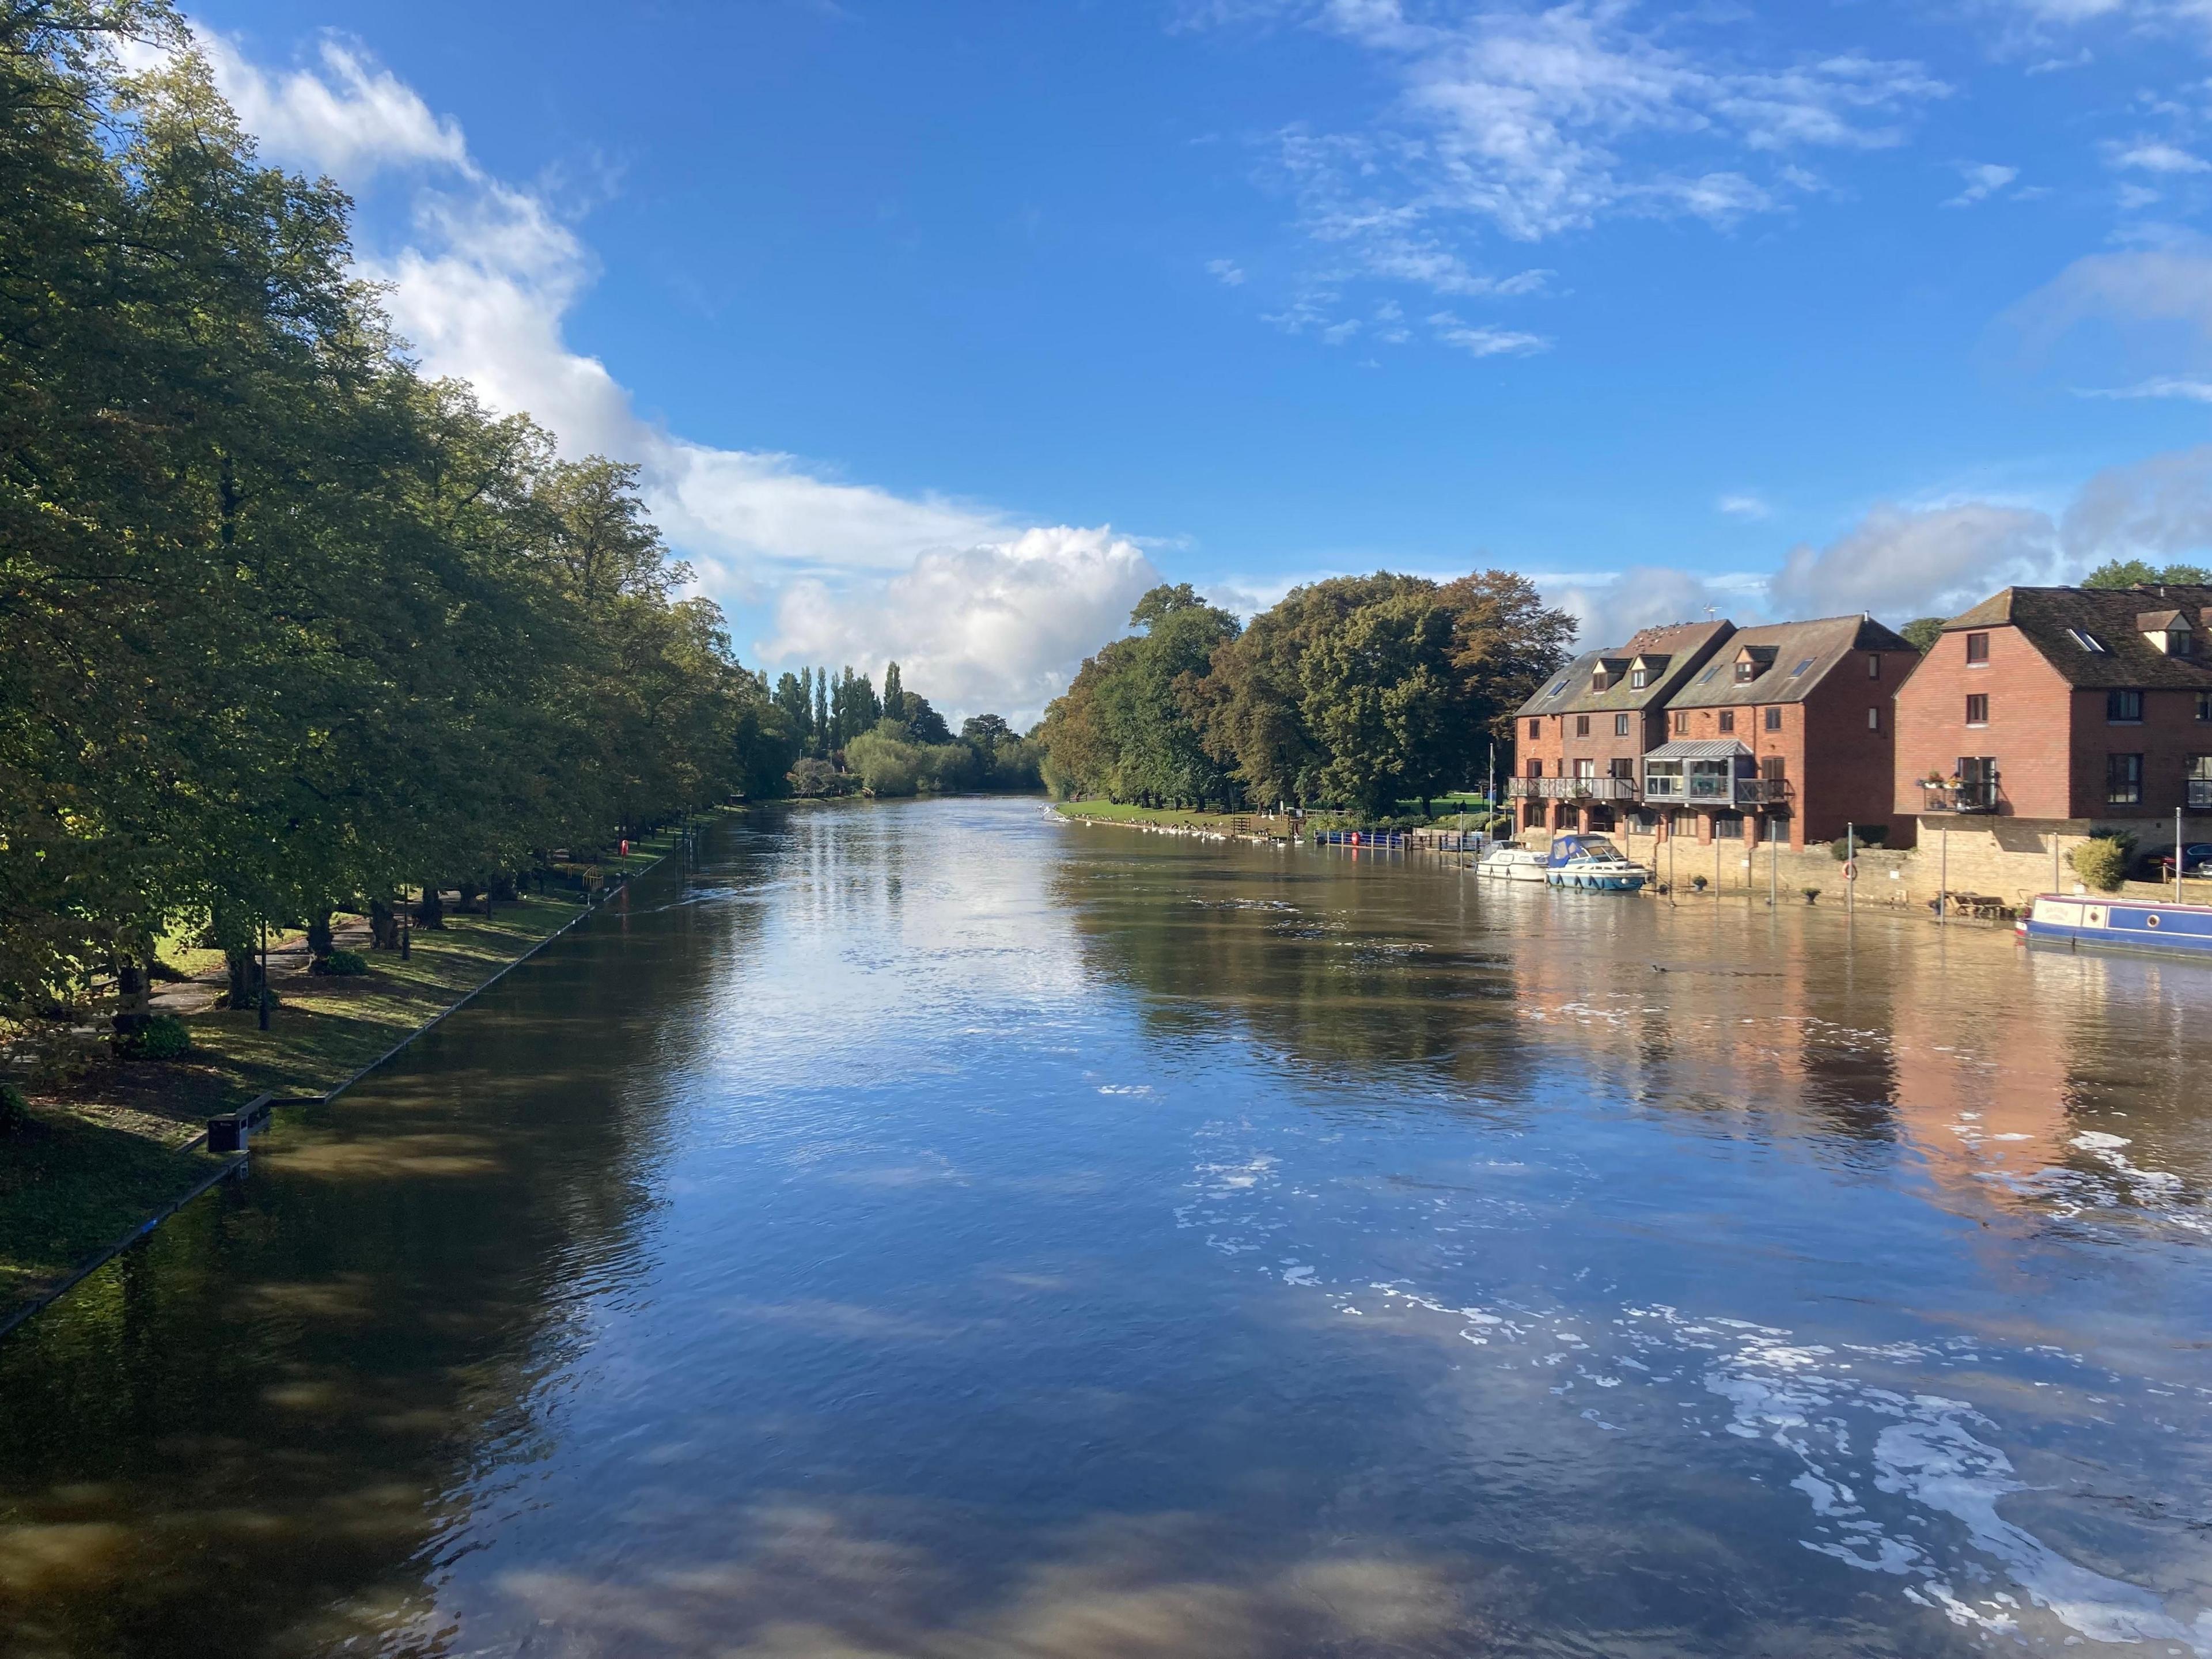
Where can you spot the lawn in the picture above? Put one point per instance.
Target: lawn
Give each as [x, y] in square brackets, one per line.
[105, 1151]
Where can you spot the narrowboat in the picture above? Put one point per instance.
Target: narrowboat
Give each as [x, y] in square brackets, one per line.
[2081, 921]
[1512, 862]
[1593, 863]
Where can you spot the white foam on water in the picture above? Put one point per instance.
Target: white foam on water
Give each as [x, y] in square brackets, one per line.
[1898, 1481]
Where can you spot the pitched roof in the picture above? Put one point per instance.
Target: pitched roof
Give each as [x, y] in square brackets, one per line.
[1682, 644]
[1697, 749]
[2054, 620]
[1792, 657]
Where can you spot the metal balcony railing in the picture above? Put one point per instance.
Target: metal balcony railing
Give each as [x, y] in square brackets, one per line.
[1974, 795]
[1570, 788]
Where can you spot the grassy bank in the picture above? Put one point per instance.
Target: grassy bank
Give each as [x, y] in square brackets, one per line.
[112, 1147]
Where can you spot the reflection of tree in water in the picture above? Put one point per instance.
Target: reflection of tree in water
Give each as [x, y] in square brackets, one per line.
[313, 1365]
[1301, 963]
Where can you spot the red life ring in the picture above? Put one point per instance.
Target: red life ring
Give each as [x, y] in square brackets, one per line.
[1850, 869]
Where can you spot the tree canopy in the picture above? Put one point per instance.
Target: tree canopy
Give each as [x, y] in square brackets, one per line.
[2137, 573]
[1357, 692]
[283, 624]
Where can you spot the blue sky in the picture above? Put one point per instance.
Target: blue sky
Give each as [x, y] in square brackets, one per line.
[940, 330]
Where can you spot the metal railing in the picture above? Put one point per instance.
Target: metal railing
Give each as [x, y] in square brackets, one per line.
[1570, 788]
[1976, 795]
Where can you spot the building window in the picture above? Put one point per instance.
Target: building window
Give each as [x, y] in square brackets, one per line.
[1535, 768]
[1728, 719]
[1746, 671]
[1978, 647]
[1769, 768]
[1621, 767]
[1585, 768]
[1874, 668]
[2204, 705]
[1728, 826]
[1621, 726]
[1536, 728]
[2200, 782]
[1873, 720]
[1682, 722]
[1600, 680]
[1638, 678]
[1774, 718]
[2124, 708]
[1978, 710]
[1582, 726]
[2123, 780]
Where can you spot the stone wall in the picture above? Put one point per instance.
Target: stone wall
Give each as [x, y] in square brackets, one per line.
[2005, 858]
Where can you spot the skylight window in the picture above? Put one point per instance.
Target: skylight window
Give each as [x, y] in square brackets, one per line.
[1709, 673]
[1801, 668]
[1560, 687]
[2085, 640]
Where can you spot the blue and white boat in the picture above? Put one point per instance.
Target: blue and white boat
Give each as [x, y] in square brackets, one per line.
[1593, 863]
[2081, 922]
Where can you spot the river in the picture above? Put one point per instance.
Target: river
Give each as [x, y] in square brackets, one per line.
[934, 1230]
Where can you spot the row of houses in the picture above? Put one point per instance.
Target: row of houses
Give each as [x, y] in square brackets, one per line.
[2066, 711]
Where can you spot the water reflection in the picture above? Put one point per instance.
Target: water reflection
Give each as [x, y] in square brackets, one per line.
[929, 1230]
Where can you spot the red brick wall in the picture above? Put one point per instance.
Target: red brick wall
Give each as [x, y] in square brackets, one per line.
[2169, 736]
[1850, 772]
[2050, 741]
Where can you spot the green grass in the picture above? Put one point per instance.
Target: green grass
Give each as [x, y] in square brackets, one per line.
[105, 1151]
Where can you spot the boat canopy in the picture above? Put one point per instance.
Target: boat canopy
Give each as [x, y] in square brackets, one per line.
[1566, 849]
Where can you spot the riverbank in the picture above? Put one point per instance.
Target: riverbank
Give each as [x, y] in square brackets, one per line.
[120, 1144]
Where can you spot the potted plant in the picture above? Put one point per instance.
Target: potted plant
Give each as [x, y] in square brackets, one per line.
[1811, 895]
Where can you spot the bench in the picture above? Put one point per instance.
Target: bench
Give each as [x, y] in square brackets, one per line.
[227, 1132]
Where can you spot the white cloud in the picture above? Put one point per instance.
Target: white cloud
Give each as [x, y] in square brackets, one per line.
[1901, 563]
[1744, 505]
[1538, 121]
[998, 627]
[1481, 341]
[481, 286]
[350, 120]
[2161, 285]
[1226, 272]
[2155, 156]
[2199, 391]
[1984, 179]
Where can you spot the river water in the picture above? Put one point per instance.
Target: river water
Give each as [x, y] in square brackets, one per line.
[934, 1230]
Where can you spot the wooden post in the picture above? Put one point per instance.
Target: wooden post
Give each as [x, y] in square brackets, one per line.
[1850, 857]
[1943, 879]
[265, 975]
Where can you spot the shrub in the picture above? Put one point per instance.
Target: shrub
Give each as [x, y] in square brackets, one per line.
[1698, 881]
[15, 1113]
[162, 1037]
[339, 964]
[2102, 862]
[1811, 895]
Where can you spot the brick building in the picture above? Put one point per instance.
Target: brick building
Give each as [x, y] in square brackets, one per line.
[1787, 733]
[2047, 714]
[1579, 741]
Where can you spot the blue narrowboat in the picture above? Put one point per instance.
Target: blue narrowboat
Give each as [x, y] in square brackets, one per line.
[2082, 922]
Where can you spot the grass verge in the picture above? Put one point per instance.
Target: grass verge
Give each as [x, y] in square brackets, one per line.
[105, 1151]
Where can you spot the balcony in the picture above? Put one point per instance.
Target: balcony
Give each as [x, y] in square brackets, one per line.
[1969, 795]
[1570, 788]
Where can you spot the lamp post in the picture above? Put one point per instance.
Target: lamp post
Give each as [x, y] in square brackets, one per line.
[265, 975]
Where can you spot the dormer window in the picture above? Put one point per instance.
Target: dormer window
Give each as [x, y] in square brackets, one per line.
[1600, 680]
[1638, 678]
[2167, 631]
[1746, 671]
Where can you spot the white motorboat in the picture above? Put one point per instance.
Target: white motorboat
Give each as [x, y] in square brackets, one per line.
[1510, 862]
[1594, 863]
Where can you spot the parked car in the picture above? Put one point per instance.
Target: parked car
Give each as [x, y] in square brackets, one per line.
[2158, 866]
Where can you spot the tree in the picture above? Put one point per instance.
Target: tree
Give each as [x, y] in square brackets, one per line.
[2135, 573]
[1921, 633]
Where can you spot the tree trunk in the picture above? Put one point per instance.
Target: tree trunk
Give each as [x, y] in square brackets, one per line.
[431, 912]
[503, 887]
[319, 943]
[383, 926]
[245, 968]
[469, 893]
[134, 1001]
